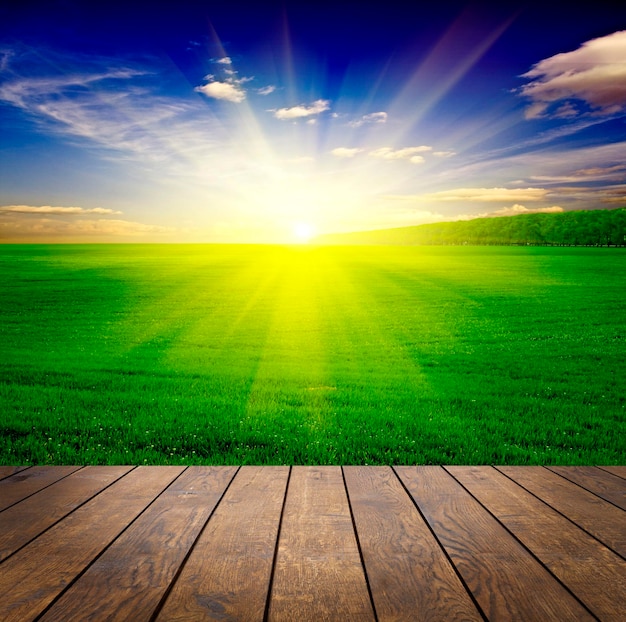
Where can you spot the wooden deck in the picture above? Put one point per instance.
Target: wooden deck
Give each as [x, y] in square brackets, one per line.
[312, 543]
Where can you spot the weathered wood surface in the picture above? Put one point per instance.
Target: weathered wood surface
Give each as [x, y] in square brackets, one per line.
[312, 543]
[606, 485]
[318, 569]
[227, 575]
[6, 471]
[583, 564]
[596, 516]
[24, 483]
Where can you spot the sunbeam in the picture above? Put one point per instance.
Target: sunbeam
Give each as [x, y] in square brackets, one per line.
[232, 128]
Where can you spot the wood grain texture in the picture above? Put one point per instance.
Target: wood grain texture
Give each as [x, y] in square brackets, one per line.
[410, 577]
[600, 518]
[318, 573]
[228, 573]
[506, 580]
[157, 543]
[141, 547]
[6, 471]
[23, 484]
[25, 520]
[606, 485]
[35, 575]
[591, 571]
[620, 471]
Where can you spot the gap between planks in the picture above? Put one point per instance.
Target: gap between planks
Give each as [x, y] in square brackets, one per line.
[353, 543]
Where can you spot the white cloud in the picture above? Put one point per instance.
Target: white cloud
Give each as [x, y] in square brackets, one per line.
[296, 112]
[311, 122]
[594, 75]
[374, 117]
[266, 90]
[345, 152]
[408, 153]
[48, 209]
[229, 87]
[444, 154]
[223, 90]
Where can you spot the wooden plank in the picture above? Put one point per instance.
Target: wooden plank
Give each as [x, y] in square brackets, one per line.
[6, 471]
[318, 573]
[606, 485]
[507, 581]
[25, 483]
[36, 574]
[590, 570]
[599, 518]
[25, 520]
[227, 575]
[620, 471]
[409, 575]
[128, 581]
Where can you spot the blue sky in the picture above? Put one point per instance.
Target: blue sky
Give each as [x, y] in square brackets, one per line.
[266, 122]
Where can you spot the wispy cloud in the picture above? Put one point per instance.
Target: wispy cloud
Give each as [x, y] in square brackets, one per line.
[374, 117]
[5, 57]
[120, 114]
[107, 108]
[49, 209]
[296, 112]
[266, 90]
[55, 97]
[408, 153]
[346, 152]
[596, 173]
[591, 195]
[18, 227]
[616, 195]
[517, 209]
[487, 194]
[237, 165]
[56, 223]
[591, 79]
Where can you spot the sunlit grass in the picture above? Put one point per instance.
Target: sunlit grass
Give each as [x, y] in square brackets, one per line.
[269, 354]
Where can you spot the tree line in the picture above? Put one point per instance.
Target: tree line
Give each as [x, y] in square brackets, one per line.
[576, 228]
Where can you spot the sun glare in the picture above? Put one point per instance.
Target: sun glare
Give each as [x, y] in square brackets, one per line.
[303, 232]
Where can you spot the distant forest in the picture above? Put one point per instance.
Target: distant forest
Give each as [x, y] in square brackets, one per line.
[577, 228]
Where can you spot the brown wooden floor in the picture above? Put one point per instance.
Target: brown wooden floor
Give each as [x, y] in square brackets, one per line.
[312, 543]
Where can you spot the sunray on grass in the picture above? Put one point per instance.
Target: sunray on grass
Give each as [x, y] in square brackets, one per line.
[301, 355]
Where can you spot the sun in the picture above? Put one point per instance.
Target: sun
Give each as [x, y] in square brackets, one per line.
[303, 232]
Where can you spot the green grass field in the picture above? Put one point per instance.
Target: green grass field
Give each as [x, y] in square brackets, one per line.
[332, 355]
